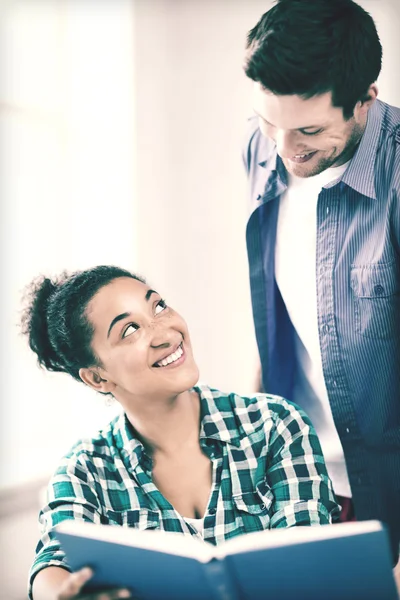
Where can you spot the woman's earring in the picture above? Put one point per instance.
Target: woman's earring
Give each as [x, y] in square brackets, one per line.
[109, 401]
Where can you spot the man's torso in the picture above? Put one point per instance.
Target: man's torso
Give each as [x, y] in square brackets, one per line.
[357, 277]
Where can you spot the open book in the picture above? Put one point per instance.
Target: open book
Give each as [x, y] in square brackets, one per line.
[330, 562]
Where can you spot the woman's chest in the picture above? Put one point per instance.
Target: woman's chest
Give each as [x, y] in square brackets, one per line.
[185, 480]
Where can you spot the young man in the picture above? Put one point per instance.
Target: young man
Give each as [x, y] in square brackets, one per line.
[323, 239]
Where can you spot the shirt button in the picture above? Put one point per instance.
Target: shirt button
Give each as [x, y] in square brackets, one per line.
[212, 511]
[325, 329]
[347, 430]
[379, 290]
[334, 383]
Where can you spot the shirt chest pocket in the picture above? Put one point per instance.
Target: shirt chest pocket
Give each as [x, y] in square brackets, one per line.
[141, 518]
[376, 295]
[254, 509]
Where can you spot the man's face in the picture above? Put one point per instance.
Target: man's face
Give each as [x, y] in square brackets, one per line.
[310, 135]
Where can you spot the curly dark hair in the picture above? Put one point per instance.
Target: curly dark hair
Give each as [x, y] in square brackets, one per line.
[310, 47]
[55, 318]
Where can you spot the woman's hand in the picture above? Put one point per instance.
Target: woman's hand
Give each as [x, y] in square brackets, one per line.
[72, 585]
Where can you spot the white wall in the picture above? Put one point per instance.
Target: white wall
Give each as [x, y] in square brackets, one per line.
[67, 189]
[386, 14]
[192, 105]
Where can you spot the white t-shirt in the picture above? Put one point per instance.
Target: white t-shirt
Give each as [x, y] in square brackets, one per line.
[295, 273]
[198, 524]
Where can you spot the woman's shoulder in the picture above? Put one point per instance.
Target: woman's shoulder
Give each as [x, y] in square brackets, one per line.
[99, 447]
[253, 410]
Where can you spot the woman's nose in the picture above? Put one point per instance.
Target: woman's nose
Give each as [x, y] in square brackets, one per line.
[161, 336]
[156, 344]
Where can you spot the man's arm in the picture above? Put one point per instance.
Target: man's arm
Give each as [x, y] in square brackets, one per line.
[258, 387]
[396, 573]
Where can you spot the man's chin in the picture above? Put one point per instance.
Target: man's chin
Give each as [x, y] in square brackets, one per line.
[307, 169]
[302, 170]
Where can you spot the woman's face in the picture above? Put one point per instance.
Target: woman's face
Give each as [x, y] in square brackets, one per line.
[143, 344]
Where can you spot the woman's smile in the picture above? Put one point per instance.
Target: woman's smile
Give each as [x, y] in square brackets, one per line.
[173, 359]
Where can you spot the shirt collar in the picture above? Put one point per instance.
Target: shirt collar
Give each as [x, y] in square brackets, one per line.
[277, 181]
[217, 416]
[363, 162]
[130, 447]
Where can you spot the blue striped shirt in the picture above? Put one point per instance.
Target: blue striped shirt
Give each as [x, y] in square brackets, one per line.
[358, 295]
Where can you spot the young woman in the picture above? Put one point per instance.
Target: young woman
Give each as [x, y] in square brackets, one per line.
[181, 457]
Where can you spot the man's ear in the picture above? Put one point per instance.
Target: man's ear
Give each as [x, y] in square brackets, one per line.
[93, 378]
[365, 104]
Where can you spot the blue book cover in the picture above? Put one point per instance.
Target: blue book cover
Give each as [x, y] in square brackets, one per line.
[349, 561]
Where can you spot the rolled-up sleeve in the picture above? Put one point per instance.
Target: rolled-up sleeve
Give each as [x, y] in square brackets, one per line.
[296, 472]
[70, 495]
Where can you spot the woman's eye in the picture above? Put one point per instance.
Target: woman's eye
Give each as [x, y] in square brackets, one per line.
[129, 330]
[161, 305]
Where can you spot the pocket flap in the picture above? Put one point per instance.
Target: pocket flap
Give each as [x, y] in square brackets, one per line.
[257, 502]
[141, 518]
[375, 281]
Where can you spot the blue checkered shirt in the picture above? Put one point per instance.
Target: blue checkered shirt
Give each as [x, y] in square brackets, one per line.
[267, 465]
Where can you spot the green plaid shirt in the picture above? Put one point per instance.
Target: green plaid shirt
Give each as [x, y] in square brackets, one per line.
[268, 471]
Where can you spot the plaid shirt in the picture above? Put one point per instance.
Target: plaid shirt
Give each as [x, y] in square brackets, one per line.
[267, 465]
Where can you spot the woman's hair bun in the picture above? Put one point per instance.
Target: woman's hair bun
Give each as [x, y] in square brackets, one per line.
[38, 297]
[54, 317]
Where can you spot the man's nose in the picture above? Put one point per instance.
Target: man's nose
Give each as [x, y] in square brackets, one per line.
[286, 143]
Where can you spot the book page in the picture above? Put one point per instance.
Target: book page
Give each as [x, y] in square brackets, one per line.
[159, 541]
[274, 538]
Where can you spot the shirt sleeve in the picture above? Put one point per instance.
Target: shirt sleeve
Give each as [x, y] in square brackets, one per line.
[247, 151]
[396, 199]
[296, 471]
[70, 495]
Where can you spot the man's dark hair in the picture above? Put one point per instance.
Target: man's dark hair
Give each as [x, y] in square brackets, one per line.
[310, 47]
[55, 319]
